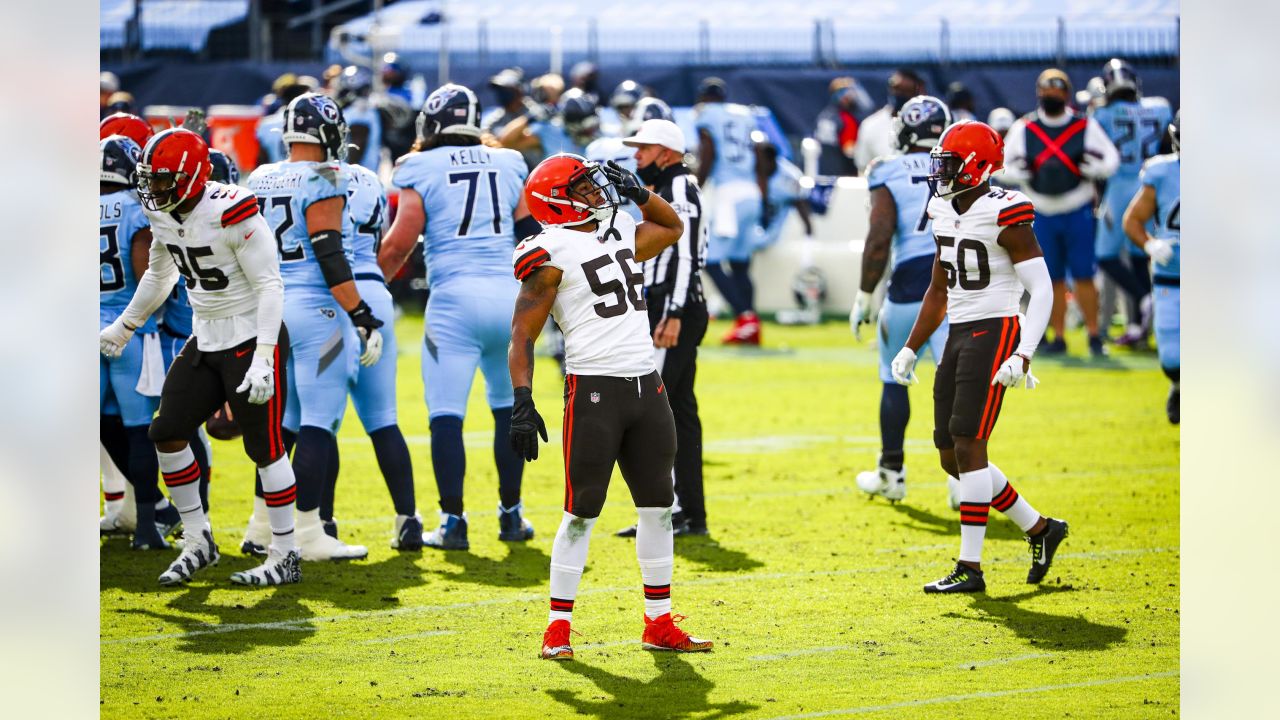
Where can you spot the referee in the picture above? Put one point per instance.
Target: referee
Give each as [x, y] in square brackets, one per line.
[677, 309]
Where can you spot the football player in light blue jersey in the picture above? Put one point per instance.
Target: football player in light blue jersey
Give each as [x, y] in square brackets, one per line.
[1136, 126]
[303, 200]
[1160, 199]
[900, 195]
[573, 127]
[786, 191]
[726, 156]
[124, 243]
[374, 393]
[607, 149]
[466, 199]
[352, 94]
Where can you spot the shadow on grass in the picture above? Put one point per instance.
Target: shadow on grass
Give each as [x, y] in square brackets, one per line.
[275, 616]
[677, 692]
[1055, 632]
[998, 529]
[524, 566]
[705, 551]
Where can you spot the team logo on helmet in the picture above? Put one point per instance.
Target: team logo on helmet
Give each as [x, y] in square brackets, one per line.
[327, 109]
[917, 113]
[439, 99]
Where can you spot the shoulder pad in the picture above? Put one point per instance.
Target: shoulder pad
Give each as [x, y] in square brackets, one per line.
[243, 207]
[1015, 209]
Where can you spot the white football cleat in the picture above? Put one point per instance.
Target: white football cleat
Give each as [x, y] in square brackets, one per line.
[888, 484]
[313, 544]
[115, 523]
[257, 536]
[953, 492]
[279, 569]
[197, 554]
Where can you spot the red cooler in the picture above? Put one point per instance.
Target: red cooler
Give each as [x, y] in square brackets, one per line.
[163, 117]
[233, 130]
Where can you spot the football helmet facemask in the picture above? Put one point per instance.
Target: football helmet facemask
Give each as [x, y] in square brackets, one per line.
[568, 190]
[965, 157]
[920, 122]
[118, 157]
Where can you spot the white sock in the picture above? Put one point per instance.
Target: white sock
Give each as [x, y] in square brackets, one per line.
[655, 551]
[163, 502]
[568, 559]
[280, 493]
[113, 482]
[1007, 500]
[975, 503]
[182, 478]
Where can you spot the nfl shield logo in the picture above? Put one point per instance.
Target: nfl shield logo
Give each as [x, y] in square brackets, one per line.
[595, 397]
[957, 223]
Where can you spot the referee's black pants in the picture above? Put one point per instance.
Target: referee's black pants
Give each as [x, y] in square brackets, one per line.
[678, 365]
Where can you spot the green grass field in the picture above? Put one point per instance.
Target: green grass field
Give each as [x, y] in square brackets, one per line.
[811, 590]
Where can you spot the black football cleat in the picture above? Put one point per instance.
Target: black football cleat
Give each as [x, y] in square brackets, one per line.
[1171, 408]
[963, 579]
[1043, 547]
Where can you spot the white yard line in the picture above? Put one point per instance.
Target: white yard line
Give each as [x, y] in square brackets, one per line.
[977, 696]
[305, 624]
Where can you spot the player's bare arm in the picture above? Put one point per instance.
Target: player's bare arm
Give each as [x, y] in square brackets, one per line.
[875, 252]
[411, 217]
[1140, 211]
[1021, 243]
[324, 223]
[140, 251]
[533, 306]
[933, 308]
[706, 156]
[662, 228]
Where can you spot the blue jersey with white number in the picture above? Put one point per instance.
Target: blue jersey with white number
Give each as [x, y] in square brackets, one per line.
[730, 126]
[469, 194]
[362, 112]
[905, 178]
[367, 206]
[177, 312]
[285, 190]
[1161, 173]
[120, 216]
[1136, 129]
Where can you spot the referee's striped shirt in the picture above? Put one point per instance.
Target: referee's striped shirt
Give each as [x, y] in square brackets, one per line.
[675, 272]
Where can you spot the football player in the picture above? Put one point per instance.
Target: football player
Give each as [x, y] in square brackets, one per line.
[606, 149]
[785, 192]
[726, 155]
[351, 91]
[1160, 198]
[574, 125]
[130, 126]
[584, 268]
[899, 236]
[1135, 125]
[212, 236]
[987, 255]
[330, 325]
[464, 198]
[124, 241]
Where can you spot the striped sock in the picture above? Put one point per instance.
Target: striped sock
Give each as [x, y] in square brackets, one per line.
[280, 492]
[182, 478]
[655, 553]
[975, 503]
[568, 559]
[1007, 500]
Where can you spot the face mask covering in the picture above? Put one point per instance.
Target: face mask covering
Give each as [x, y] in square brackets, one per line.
[1053, 106]
[649, 173]
[898, 102]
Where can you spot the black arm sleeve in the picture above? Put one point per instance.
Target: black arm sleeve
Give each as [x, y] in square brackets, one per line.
[333, 262]
[527, 227]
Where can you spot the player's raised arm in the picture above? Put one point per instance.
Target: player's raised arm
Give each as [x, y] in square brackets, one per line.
[411, 218]
[662, 225]
[324, 221]
[1028, 263]
[875, 255]
[533, 306]
[153, 288]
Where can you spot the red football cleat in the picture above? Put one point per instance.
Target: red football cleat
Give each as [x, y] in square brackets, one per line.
[662, 634]
[555, 641]
[745, 330]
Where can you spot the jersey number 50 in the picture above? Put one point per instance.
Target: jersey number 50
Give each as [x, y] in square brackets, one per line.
[961, 274]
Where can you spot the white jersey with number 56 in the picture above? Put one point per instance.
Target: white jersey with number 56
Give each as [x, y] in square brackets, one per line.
[599, 304]
[981, 282]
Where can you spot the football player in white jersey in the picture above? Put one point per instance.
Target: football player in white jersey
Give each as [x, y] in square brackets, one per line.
[584, 268]
[987, 254]
[212, 236]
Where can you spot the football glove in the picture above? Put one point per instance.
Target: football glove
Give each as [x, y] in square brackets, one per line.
[904, 367]
[1161, 251]
[112, 340]
[367, 325]
[861, 314]
[629, 186]
[526, 425]
[259, 381]
[1013, 371]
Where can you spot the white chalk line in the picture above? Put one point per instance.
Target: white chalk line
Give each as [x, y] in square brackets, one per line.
[305, 624]
[978, 696]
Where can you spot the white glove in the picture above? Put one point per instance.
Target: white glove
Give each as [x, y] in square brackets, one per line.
[1161, 251]
[861, 314]
[113, 339]
[1011, 373]
[903, 367]
[372, 341]
[259, 381]
[1091, 166]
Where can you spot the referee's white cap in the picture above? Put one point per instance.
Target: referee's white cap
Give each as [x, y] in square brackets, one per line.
[658, 132]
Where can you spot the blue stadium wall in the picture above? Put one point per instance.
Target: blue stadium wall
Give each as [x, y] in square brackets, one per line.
[794, 94]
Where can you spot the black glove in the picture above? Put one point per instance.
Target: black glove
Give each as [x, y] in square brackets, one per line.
[526, 425]
[362, 317]
[766, 215]
[629, 186]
